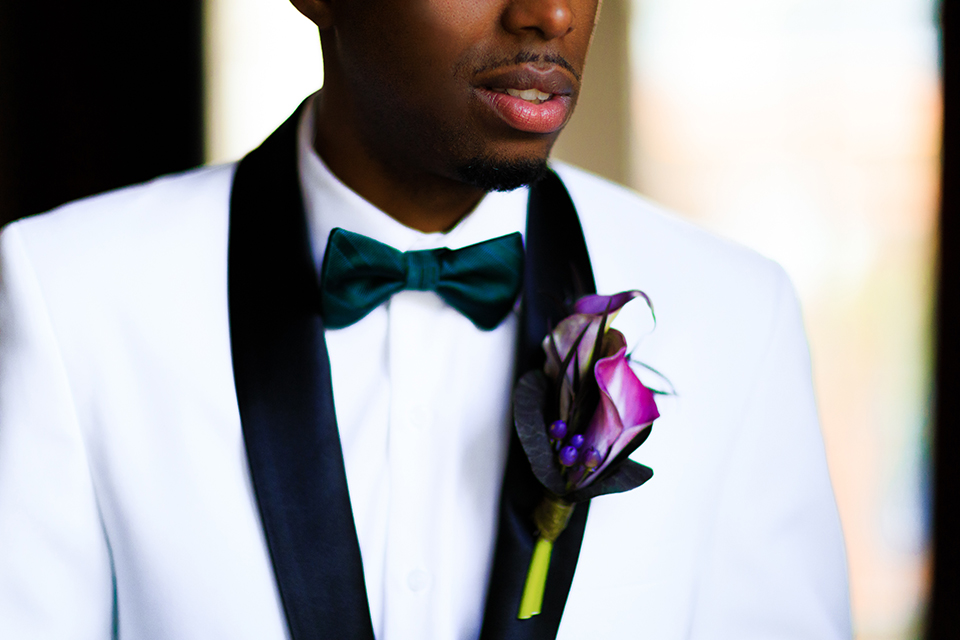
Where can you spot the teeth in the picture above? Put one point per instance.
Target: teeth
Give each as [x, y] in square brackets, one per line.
[530, 95]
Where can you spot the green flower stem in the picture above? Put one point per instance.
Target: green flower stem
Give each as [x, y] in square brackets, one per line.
[551, 517]
[532, 600]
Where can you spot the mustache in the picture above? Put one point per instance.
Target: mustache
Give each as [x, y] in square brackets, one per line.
[524, 57]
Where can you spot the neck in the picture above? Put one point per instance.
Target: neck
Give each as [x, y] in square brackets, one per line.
[415, 198]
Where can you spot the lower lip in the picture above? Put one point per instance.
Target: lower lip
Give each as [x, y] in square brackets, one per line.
[545, 117]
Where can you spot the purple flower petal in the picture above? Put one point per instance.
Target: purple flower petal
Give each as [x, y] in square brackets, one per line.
[613, 342]
[597, 304]
[564, 337]
[626, 408]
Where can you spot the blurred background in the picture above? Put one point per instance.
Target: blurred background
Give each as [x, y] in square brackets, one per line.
[809, 130]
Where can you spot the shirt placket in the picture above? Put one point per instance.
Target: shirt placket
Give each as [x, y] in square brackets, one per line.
[414, 451]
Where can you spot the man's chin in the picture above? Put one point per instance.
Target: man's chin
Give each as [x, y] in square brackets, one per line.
[497, 174]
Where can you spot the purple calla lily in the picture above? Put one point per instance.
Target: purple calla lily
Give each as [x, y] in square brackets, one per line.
[626, 408]
[582, 325]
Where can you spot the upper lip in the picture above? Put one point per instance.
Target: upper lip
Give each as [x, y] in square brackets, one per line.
[551, 79]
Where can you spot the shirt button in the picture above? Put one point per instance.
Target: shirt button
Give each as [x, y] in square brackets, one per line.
[418, 580]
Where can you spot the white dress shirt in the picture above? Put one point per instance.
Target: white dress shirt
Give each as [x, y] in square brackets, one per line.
[423, 407]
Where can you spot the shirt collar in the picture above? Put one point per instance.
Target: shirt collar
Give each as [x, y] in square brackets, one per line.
[329, 203]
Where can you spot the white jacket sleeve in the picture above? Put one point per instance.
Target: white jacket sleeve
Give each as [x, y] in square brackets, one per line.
[777, 568]
[55, 574]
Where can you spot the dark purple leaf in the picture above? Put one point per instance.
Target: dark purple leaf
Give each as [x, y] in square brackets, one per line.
[628, 475]
[528, 405]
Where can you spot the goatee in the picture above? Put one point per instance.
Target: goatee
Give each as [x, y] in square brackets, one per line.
[492, 174]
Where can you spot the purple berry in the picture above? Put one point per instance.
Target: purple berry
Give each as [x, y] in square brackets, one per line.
[558, 430]
[576, 441]
[591, 459]
[568, 456]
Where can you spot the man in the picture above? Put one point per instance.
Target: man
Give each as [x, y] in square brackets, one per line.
[198, 440]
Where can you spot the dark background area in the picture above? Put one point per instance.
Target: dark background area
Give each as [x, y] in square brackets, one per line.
[944, 611]
[98, 95]
[95, 95]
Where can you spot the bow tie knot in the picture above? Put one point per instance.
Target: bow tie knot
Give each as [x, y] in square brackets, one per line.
[423, 270]
[481, 281]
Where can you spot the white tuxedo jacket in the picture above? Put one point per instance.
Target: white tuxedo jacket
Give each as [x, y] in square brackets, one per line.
[126, 506]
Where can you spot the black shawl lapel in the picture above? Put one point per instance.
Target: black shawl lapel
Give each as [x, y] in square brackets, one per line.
[557, 269]
[282, 376]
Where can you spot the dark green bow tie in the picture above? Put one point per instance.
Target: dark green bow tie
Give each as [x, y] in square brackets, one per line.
[480, 281]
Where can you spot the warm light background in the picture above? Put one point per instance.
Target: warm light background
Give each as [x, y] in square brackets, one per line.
[809, 130]
[806, 129]
[262, 59]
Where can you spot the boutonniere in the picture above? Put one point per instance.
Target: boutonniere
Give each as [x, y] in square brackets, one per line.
[578, 420]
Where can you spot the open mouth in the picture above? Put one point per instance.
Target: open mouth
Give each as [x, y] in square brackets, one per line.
[529, 98]
[533, 96]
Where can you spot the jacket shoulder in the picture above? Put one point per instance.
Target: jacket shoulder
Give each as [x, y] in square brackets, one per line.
[605, 206]
[633, 241]
[130, 215]
[128, 251]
